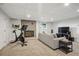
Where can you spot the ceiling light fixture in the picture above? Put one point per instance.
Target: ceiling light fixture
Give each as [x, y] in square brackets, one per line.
[66, 4]
[78, 10]
[28, 15]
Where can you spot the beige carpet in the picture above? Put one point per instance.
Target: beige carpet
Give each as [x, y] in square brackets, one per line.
[34, 48]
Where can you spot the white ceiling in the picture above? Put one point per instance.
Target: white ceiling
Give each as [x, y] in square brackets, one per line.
[41, 11]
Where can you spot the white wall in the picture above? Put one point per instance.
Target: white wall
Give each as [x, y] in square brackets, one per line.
[4, 29]
[72, 23]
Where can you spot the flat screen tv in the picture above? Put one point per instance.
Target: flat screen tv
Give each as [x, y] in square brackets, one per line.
[64, 30]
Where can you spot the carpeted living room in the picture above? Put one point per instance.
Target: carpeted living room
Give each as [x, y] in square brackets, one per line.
[39, 29]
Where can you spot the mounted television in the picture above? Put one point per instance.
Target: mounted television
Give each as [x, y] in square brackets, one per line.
[64, 30]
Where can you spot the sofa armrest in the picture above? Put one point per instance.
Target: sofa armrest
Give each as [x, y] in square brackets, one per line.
[61, 38]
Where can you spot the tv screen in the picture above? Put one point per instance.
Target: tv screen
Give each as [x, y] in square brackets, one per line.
[63, 29]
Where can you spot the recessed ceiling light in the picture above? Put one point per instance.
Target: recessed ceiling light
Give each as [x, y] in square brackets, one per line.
[66, 4]
[52, 19]
[78, 10]
[28, 15]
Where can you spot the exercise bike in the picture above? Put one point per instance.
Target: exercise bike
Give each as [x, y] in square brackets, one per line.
[20, 37]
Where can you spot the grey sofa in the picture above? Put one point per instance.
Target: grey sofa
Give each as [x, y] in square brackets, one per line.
[49, 40]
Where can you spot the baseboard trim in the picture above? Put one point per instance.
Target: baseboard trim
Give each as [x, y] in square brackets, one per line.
[47, 45]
